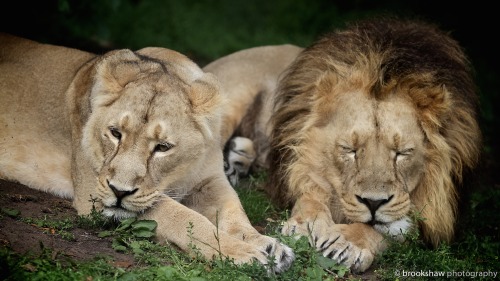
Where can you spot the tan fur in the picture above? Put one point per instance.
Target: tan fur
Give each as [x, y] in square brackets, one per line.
[247, 78]
[139, 132]
[381, 113]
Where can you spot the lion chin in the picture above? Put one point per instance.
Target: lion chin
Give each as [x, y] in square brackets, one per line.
[395, 229]
[118, 213]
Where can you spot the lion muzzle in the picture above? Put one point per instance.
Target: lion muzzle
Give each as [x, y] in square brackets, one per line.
[373, 205]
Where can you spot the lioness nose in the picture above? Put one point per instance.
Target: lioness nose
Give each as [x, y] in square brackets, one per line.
[120, 194]
[372, 204]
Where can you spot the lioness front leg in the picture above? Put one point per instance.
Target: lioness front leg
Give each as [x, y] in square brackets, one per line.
[353, 245]
[220, 204]
[191, 231]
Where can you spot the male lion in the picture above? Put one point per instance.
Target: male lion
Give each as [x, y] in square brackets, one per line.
[137, 133]
[370, 126]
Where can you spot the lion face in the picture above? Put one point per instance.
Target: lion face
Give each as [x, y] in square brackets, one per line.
[150, 137]
[376, 155]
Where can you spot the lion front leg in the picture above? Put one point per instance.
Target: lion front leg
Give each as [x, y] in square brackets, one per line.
[354, 245]
[220, 204]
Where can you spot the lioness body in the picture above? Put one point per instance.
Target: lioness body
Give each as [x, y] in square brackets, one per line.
[369, 126]
[130, 133]
[249, 78]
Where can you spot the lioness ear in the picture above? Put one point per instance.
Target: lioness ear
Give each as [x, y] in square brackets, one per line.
[206, 103]
[112, 73]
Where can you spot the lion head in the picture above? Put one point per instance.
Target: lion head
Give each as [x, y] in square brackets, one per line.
[150, 128]
[381, 119]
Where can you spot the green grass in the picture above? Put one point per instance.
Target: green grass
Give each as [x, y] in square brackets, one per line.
[476, 250]
[61, 227]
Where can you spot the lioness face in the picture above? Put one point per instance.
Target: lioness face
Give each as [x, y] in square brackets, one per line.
[144, 144]
[376, 150]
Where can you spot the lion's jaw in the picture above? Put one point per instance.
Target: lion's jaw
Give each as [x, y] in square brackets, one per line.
[377, 150]
[151, 138]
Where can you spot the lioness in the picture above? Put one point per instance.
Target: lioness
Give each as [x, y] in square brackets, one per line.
[369, 127]
[137, 133]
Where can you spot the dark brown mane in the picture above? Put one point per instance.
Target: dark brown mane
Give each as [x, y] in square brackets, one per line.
[392, 54]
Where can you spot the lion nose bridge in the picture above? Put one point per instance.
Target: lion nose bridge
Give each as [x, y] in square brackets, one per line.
[375, 184]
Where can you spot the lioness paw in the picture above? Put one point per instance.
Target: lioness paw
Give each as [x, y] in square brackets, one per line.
[281, 255]
[278, 253]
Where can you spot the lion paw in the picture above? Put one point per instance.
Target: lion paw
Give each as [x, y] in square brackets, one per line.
[345, 253]
[329, 240]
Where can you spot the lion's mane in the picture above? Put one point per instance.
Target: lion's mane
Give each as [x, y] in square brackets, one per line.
[423, 63]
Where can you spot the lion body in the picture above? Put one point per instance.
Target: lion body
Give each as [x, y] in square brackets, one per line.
[129, 133]
[369, 127]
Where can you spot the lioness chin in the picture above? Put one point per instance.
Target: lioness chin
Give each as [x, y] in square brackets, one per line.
[137, 133]
[362, 131]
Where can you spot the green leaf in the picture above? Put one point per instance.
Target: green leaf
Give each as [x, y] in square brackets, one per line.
[142, 233]
[124, 224]
[137, 251]
[147, 224]
[129, 276]
[13, 213]
[197, 278]
[119, 248]
[119, 245]
[325, 262]
[167, 272]
[314, 273]
[342, 271]
[105, 233]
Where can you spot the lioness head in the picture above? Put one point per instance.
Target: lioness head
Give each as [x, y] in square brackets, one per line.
[379, 120]
[150, 128]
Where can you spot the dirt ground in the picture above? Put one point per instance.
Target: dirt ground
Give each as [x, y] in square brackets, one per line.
[24, 238]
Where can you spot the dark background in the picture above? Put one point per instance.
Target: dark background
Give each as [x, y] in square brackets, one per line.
[205, 30]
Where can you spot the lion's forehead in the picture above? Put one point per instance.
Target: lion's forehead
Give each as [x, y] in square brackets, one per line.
[359, 117]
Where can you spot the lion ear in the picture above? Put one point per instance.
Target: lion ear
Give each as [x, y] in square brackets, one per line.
[206, 101]
[112, 73]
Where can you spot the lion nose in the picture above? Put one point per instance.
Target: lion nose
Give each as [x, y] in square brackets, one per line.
[120, 194]
[373, 204]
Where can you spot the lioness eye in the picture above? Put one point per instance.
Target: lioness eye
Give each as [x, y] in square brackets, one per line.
[163, 147]
[348, 150]
[115, 132]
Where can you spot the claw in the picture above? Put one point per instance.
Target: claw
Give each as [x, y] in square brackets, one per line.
[324, 247]
[269, 249]
[340, 256]
[331, 254]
